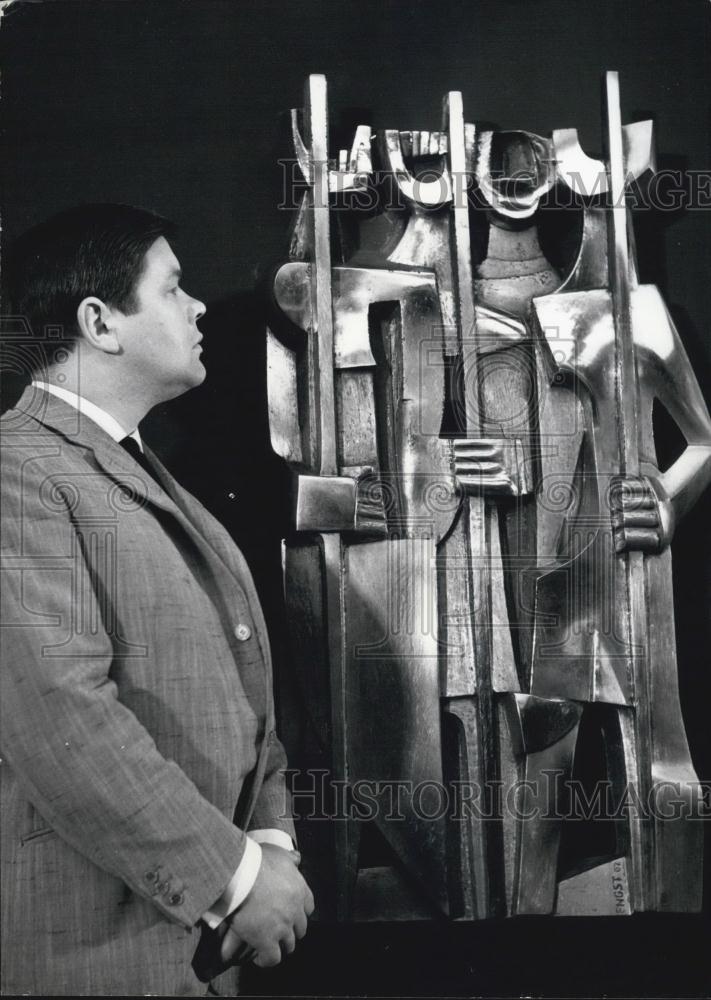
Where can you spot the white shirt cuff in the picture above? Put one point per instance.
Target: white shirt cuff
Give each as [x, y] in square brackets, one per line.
[239, 886]
[272, 836]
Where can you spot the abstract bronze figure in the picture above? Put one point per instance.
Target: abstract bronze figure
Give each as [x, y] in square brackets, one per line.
[479, 578]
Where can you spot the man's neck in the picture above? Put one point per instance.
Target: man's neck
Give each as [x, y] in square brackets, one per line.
[98, 414]
[111, 396]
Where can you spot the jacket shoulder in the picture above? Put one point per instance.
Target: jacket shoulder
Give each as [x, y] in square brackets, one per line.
[33, 457]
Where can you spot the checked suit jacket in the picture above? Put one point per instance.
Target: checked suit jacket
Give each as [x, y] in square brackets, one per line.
[137, 736]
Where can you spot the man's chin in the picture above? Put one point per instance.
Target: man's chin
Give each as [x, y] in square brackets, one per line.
[196, 376]
[190, 380]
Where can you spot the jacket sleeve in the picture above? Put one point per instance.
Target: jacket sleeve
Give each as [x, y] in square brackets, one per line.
[272, 809]
[83, 759]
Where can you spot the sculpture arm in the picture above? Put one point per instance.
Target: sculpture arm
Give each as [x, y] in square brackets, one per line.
[652, 509]
[679, 391]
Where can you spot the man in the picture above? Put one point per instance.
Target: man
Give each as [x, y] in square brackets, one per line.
[142, 799]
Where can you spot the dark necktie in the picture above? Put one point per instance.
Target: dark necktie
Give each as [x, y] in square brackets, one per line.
[130, 445]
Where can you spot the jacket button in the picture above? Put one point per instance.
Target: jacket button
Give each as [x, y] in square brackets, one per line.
[176, 898]
[151, 876]
[243, 632]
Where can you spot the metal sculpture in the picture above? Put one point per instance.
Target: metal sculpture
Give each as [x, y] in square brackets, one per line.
[479, 573]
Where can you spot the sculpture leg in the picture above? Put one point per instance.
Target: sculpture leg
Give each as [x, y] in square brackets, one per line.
[541, 734]
[656, 789]
[392, 705]
[473, 826]
[676, 793]
[314, 606]
[478, 662]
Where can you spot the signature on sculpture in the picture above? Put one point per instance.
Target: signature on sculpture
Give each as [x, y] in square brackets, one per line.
[478, 582]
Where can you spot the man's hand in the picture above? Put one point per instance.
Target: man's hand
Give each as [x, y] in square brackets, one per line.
[642, 515]
[274, 914]
[491, 467]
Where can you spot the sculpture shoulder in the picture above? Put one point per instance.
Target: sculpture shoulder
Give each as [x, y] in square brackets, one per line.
[653, 326]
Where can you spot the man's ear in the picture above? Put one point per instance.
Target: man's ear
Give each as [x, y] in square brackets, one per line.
[97, 325]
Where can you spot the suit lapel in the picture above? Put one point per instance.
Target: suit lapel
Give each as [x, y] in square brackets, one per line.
[117, 462]
[83, 432]
[186, 504]
[217, 577]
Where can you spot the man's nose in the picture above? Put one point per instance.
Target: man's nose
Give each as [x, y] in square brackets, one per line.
[197, 308]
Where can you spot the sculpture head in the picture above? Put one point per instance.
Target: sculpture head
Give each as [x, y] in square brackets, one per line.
[514, 170]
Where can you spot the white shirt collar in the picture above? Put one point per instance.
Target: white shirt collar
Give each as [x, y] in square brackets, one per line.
[107, 423]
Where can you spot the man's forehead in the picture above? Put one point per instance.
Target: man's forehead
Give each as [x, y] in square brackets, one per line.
[160, 258]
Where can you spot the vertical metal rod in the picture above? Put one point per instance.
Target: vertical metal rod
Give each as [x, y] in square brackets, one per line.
[462, 258]
[482, 518]
[323, 417]
[641, 832]
[619, 266]
[345, 836]
[321, 344]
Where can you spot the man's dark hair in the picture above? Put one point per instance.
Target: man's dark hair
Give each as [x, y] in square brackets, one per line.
[90, 250]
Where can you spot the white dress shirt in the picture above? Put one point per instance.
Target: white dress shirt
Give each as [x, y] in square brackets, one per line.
[241, 883]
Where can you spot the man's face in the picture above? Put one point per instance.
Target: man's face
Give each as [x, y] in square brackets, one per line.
[161, 341]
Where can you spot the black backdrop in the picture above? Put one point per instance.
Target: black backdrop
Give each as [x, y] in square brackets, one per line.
[180, 106]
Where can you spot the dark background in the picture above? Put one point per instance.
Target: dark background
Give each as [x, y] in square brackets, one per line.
[180, 106]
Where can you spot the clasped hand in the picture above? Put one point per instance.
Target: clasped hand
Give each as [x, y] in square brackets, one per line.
[642, 515]
[274, 914]
[491, 467]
